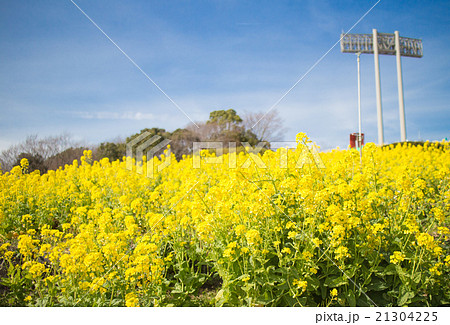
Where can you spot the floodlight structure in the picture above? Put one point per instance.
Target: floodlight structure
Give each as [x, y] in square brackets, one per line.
[389, 44]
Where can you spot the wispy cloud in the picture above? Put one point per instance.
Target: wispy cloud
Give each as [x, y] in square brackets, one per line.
[138, 116]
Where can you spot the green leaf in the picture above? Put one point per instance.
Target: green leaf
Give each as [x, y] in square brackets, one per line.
[283, 285]
[404, 277]
[416, 277]
[363, 301]
[221, 297]
[351, 299]
[336, 282]
[405, 298]
[264, 299]
[314, 283]
[378, 270]
[390, 270]
[352, 270]
[377, 285]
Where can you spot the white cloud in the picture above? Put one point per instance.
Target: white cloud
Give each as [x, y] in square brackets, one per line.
[138, 116]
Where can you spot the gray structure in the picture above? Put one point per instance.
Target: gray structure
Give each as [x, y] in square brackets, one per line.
[388, 44]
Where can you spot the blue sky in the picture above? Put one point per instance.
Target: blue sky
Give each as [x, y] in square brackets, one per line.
[58, 73]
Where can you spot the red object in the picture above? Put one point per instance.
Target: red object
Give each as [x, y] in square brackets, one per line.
[354, 143]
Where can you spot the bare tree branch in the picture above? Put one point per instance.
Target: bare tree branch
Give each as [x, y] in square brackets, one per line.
[33, 145]
[269, 128]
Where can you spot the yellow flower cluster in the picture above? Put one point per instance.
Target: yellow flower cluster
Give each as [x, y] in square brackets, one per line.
[300, 284]
[103, 233]
[131, 300]
[397, 257]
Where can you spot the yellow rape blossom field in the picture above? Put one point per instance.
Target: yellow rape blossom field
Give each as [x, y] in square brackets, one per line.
[277, 229]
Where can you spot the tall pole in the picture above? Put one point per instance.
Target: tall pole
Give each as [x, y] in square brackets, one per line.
[359, 109]
[359, 95]
[401, 104]
[378, 88]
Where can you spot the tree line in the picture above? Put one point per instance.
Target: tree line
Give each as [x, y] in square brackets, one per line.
[51, 153]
